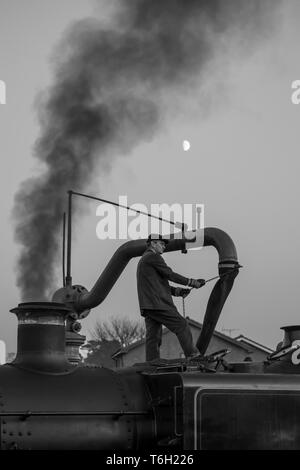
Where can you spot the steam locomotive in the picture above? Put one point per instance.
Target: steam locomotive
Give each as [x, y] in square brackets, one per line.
[48, 400]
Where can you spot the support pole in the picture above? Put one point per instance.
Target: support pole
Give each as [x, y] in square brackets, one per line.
[69, 241]
[64, 251]
[184, 250]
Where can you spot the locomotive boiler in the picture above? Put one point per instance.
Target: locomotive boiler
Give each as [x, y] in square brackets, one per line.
[48, 400]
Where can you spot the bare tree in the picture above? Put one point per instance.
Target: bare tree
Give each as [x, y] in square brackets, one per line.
[121, 329]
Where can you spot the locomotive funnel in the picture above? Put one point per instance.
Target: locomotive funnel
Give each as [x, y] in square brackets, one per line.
[41, 337]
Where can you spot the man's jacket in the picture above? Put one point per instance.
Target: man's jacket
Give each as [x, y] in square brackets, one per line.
[153, 274]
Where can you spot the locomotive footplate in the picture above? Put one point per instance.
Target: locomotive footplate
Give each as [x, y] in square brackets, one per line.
[175, 365]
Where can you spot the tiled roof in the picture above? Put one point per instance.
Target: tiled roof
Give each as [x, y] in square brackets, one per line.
[255, 344]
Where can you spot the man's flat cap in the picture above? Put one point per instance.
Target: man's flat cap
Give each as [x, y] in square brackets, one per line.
[156, 236]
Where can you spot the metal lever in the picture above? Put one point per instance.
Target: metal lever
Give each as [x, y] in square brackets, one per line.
[183, 307]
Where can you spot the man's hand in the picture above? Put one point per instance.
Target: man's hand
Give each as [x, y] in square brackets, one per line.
[202, 282]
[196, 283]
[182, 292]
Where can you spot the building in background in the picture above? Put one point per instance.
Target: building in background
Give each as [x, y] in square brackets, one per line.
[247, 341]
[241, 347]
[102, 354]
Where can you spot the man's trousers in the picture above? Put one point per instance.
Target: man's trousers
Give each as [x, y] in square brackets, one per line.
[171, 319]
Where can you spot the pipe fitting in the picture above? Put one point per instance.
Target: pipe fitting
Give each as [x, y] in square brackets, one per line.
[70, 296]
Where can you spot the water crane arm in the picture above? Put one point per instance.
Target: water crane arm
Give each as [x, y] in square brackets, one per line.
[82, 301]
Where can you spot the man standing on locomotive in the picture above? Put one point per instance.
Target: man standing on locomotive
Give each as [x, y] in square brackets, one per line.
[155, 299]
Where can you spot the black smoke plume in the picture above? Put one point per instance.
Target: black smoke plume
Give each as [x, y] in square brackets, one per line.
[105, 99]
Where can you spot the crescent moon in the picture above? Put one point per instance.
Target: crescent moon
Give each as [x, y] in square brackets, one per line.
[186, 145]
